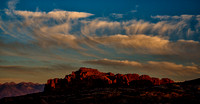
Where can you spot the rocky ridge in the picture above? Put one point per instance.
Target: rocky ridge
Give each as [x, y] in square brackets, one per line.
[88, 77]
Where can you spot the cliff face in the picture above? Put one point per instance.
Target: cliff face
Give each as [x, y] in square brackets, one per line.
[87, 77]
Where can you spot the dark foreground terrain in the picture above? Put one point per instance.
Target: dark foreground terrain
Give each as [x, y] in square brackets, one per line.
[89, 86]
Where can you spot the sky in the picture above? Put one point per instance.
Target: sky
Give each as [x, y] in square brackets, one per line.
[43, 39]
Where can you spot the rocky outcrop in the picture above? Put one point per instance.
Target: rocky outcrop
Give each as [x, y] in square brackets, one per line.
[155, 81]
[166, 81]
[132, 77]
[87, 77]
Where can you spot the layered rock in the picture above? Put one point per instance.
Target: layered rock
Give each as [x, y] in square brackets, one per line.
[87, 77]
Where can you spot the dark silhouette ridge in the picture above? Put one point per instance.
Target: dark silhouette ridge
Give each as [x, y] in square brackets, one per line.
[88, 77]
[192, 82]
[89, 86]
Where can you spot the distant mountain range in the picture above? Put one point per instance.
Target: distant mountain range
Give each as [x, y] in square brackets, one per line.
[89, 86]
[16, 89]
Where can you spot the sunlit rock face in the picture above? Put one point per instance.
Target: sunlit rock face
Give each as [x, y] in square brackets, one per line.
[88, 77]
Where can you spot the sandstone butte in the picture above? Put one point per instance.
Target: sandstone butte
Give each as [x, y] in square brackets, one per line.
[88, 77]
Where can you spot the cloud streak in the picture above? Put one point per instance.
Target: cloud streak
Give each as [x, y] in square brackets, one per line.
[55, 14]
[12, 4]
[108, 62]
[159, 69]
[174, 29]
[154, 45]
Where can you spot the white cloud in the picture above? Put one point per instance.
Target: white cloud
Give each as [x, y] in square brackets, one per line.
[139, 43]
[167, 17]
[133, 11]
[27, 14]
[56, 14]
[144, 44]
[186, 17]
[67, 14]
[12, 4]
[116, 15]
[109, 62]
[100, 27]
[160, 17]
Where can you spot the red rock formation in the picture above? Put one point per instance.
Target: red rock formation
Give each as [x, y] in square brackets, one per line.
[121, 79]
[145, 77]
[99, 80]
[166, 81]
[155, 81]
[70, 77]
[51, 83]
[110, 74]
[132, 77]
[87, 77]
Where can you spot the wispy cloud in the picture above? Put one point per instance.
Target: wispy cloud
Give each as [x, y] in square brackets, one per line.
[167, 17]
[116, 15]
[155, 68]
[12, 4]
[55, 14]
[155, 45]
[108, 62]
[71, 36]
[82, 35]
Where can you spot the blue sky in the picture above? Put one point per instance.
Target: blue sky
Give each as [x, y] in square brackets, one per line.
[50, 38]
